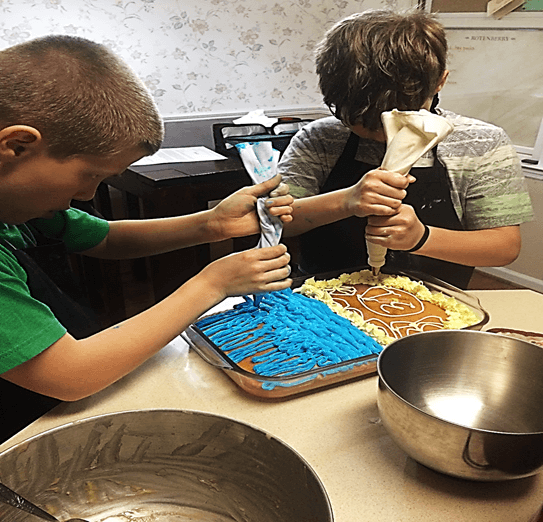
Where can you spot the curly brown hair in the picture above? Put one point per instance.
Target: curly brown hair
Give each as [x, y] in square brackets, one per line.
[380, 60]
[80, 96]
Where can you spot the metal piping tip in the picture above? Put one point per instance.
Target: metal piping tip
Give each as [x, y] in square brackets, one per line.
[375, 271]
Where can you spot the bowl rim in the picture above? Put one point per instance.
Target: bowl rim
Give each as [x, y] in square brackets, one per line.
[18, 447]
[101, 416]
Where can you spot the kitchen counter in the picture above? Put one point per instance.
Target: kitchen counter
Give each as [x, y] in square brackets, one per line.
[337, 430]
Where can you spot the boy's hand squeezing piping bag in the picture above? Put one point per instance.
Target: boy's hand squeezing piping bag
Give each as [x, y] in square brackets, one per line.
[260, 160]
[409, 135]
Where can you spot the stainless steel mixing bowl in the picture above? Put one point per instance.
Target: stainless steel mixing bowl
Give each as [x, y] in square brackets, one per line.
[465, 403]
[163, 466]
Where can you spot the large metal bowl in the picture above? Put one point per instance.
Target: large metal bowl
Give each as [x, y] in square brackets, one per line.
[465, 403]
[163, 465]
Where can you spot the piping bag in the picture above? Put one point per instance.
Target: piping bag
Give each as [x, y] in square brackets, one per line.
[260, 160]
[409, 135]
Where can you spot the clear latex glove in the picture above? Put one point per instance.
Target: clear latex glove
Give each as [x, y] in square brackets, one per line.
[260, 160]
[409, 134]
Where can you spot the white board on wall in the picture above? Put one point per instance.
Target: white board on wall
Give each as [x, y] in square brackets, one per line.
[497, 75]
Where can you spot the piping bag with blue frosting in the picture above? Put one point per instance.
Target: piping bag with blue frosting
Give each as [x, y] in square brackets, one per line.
[409, 135]
[260, 160]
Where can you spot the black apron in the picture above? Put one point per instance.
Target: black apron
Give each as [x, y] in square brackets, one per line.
[52, 282]
[341, 246]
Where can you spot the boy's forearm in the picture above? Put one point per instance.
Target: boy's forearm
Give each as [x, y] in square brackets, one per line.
[128, 239]
[488, 247]
[315, 211]
[83, 367]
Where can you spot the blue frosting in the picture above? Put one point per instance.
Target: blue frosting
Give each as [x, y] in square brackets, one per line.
[287, 334]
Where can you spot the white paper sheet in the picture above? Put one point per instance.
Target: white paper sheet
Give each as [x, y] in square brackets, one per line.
[179, 155]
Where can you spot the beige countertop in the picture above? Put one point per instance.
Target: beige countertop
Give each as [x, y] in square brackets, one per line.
[337, 430]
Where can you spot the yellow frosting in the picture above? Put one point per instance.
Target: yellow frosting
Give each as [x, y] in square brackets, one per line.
[459, 315]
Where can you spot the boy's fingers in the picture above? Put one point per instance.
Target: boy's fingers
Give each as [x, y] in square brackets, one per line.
[279, 264]
[280, 205]
[277, 201]
[266, 186]
[277, 273]
[278, 285]
[281, 190]
[272, 252]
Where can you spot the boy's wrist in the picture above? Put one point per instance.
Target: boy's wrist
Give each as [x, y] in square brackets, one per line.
[214, 229]
[207, 292]
[346, 202]
[422, 241]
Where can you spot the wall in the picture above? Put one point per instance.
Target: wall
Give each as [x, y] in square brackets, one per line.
[530, 262]
[527, 270]
[199, 56]
[493, 78]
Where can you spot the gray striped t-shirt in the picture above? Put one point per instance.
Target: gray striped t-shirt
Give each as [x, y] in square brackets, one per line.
[488, 188]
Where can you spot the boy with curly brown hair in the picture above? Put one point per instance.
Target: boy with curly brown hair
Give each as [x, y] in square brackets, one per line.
[468, 192]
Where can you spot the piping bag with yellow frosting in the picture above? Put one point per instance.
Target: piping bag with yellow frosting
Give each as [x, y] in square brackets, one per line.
[409, 135]
[260, 160]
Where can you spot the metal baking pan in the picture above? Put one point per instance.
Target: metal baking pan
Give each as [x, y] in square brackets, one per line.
[286, 386]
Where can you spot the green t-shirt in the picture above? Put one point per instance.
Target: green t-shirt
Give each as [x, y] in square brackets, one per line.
[27, 326]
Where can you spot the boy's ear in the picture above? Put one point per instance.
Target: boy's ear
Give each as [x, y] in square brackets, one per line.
[17, 141]
[442, 80]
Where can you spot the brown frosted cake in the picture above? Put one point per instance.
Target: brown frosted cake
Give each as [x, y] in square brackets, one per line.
[389, 307]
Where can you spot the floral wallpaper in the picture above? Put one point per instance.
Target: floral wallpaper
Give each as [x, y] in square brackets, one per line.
[199, 56]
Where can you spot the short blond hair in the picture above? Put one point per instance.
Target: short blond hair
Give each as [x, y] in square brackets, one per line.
[380, 60]
[80, 96]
